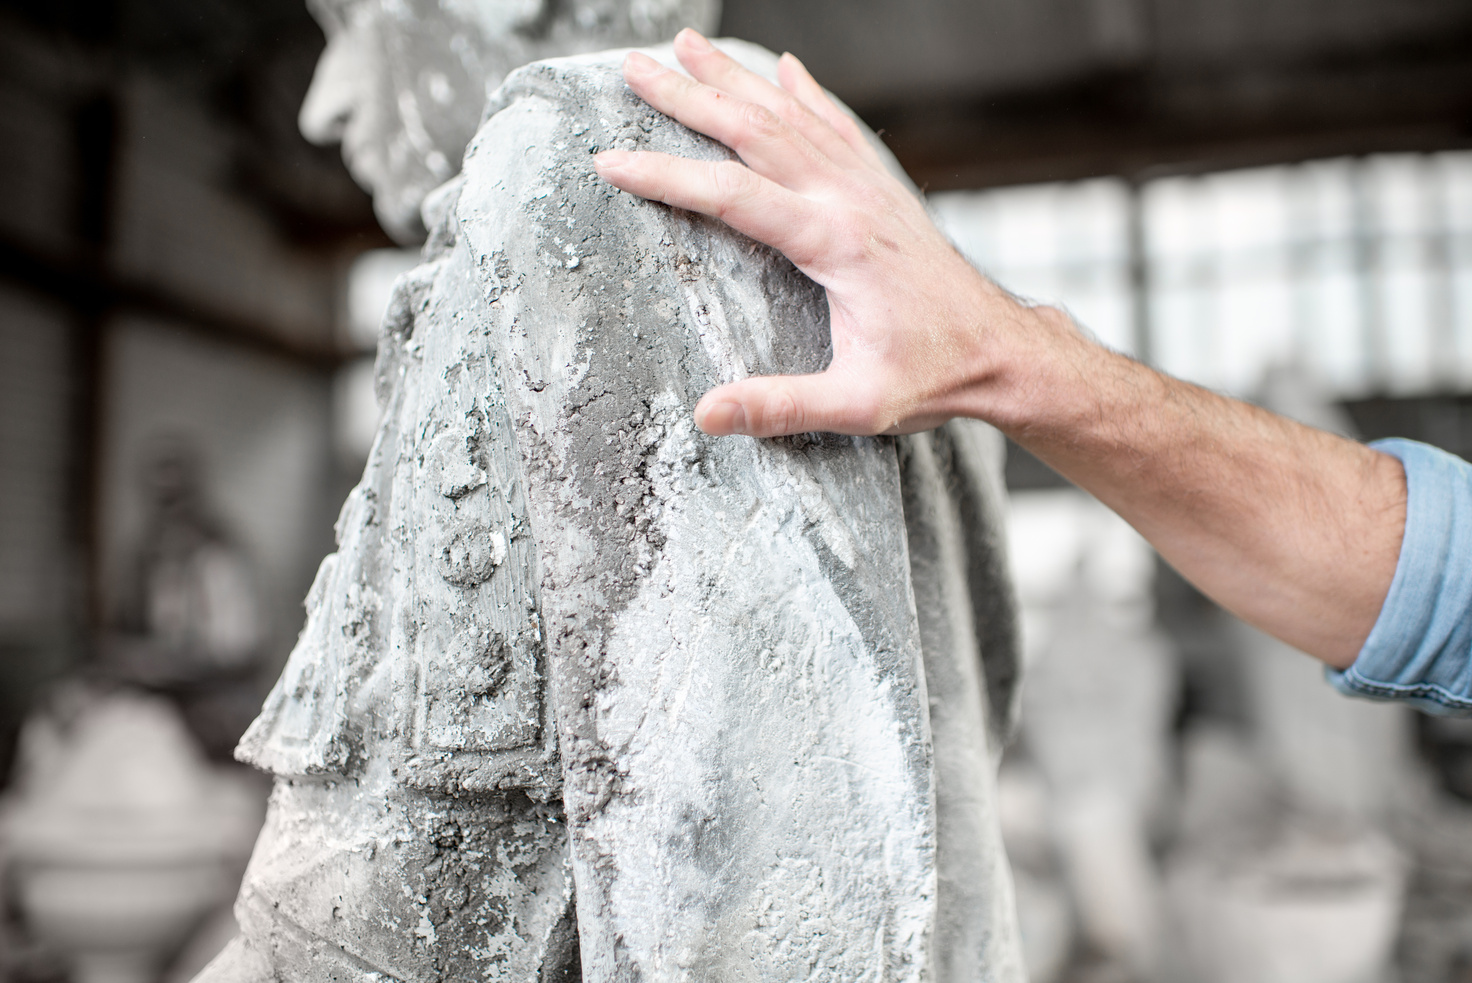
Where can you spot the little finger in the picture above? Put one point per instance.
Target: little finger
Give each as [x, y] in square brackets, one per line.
[797, 80]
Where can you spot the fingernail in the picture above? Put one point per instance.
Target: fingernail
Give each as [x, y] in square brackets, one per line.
[732, 418]
[640, 64]
[610, 160]
[696, 40]
[722, 418]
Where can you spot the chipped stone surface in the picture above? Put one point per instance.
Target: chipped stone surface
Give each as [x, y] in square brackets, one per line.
[554, 597]
[416, 829]
[735, 660]
[952, 489]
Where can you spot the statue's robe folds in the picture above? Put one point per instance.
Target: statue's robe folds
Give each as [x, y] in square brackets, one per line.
[732, 707]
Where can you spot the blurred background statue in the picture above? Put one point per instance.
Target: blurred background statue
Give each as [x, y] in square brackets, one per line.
[120, 836]
[190, 627]
[582, 690]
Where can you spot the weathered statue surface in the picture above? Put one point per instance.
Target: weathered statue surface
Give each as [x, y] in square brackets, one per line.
[587, 693]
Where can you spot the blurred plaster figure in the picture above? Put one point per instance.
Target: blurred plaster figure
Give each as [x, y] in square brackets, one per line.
[118, 837]
[1286, 825]
[1098, 712]
[585, 693]
[190, 624]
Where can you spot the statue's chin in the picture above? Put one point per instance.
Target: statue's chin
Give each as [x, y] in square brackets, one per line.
[396, 199]
[398, 186]
[398, 213]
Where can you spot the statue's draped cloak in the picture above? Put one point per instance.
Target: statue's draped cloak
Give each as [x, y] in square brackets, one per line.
[551, 585]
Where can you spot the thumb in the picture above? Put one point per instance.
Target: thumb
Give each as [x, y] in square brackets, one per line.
[777, 405]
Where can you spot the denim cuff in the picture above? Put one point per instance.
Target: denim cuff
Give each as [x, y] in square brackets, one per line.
[1420, 650]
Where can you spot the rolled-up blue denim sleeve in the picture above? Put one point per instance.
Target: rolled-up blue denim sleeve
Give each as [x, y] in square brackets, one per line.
[1420, 650]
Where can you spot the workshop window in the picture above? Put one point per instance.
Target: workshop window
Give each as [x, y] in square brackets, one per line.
[1357, 272]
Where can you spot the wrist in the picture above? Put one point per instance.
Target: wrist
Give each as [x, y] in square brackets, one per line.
[1032, 372]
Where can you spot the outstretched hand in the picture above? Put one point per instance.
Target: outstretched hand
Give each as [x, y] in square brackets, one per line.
[916, 331]
[1295, 530]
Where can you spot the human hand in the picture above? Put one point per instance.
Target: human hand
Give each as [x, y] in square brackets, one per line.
[918, 335]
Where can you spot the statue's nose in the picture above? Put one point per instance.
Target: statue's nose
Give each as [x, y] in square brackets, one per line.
[341, 75]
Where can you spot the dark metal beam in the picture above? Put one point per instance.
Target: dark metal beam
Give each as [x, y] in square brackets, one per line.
[85, 286]
[1159, 121]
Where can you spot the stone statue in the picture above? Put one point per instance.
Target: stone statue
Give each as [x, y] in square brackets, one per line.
[402, 82]
[585, 693]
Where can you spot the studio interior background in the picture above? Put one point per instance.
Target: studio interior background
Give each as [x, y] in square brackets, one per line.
[1268, 197]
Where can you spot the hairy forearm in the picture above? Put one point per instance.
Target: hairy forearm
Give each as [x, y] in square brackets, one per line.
[1293, 529]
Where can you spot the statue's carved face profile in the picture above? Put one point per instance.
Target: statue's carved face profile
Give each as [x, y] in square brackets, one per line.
[401, 83]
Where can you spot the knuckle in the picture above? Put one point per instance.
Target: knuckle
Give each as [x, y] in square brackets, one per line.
[732, 182]
[684, 84]
[878, 250]
[854, 239]
[759, 122]
[793, 108]
[867, 228]
[843, 124]
[782, 413]
[846, 127]
[870, 413]
[809, 251]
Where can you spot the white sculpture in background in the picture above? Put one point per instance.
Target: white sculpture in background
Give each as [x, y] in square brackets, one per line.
[584, 692]
[1101, 695]
[1282, 869]
[189, 625]
[118, 835]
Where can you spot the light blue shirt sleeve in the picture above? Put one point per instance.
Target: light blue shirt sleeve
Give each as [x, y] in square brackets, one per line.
[1420, 650]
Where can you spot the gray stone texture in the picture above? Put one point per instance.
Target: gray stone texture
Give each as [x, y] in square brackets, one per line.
[572, 648]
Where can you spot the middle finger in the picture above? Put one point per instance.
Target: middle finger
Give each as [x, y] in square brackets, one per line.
[717, 69]
[759, 136]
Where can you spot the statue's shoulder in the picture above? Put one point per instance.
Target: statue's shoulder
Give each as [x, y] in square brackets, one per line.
[581, 83]
[539, 131]
[582, 90]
